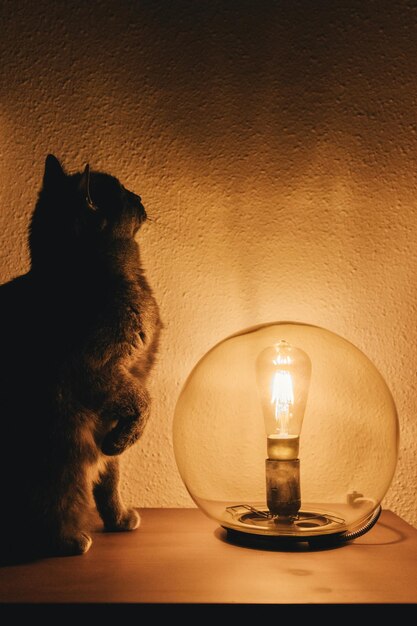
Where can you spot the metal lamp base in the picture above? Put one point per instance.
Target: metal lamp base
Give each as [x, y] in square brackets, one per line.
[320, 530]
[267, 531]
[284, 542]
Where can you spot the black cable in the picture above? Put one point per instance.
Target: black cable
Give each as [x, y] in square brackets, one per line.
[354, 534]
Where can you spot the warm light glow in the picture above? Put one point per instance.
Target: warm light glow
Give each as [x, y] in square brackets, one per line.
[282, 396]
[283, 375]
[224, 417]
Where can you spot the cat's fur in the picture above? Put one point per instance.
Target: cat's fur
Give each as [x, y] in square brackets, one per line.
[78, 337]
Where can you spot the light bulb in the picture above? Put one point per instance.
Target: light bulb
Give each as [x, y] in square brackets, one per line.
[283, 375]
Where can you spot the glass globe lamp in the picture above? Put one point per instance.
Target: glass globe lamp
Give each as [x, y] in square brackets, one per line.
[287, 431]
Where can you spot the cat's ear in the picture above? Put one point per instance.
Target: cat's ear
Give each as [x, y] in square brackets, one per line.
[84, 187]
[54, 172]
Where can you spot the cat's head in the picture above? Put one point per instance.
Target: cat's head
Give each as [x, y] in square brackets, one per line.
[83, 210]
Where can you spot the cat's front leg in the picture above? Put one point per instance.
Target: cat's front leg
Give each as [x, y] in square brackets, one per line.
[115, 515]
[131, 413]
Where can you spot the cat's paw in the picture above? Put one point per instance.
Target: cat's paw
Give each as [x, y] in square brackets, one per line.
[72, 545]
[111, 446]
[129, 520]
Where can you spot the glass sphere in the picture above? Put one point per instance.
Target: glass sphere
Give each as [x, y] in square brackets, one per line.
[348, 440]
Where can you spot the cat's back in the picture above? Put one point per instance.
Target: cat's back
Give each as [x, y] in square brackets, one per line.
[17, 366]
[25, 348]
[14, 291]
[16, 303]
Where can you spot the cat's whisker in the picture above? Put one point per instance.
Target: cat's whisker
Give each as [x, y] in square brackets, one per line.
[154, 221]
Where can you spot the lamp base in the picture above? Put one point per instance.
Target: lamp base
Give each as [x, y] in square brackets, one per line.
[285, 542]
[315, 541]
[321, 530]
[263, 530]
[304, 526]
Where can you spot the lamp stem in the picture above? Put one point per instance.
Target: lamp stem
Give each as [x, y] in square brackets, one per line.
[283, 494]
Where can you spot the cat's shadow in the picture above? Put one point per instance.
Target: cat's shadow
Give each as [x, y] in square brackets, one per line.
[14, 560]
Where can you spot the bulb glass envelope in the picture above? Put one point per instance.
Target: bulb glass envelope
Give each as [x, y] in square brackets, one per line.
[348, 441]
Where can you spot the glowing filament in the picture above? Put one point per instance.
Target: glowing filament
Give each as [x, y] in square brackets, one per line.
[282, 396]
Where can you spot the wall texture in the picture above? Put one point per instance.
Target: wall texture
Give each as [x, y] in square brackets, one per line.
[275, 144]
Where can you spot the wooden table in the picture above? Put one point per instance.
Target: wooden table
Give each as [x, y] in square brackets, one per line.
[180, 556]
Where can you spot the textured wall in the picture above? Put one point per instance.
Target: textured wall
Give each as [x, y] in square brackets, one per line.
[275, 144]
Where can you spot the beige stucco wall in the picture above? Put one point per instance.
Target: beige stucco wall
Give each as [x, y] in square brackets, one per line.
[275, 144]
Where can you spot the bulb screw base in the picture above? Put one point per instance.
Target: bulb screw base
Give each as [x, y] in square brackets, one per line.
[283, 494]
[282, 448]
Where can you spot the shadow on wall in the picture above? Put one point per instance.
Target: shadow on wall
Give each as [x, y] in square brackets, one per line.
[275, 141]
[252, 89]
[286, 102]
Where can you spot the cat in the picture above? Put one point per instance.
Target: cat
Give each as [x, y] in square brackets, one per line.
[78, 338]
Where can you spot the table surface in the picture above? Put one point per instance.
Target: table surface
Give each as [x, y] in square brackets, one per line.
[180, 556]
